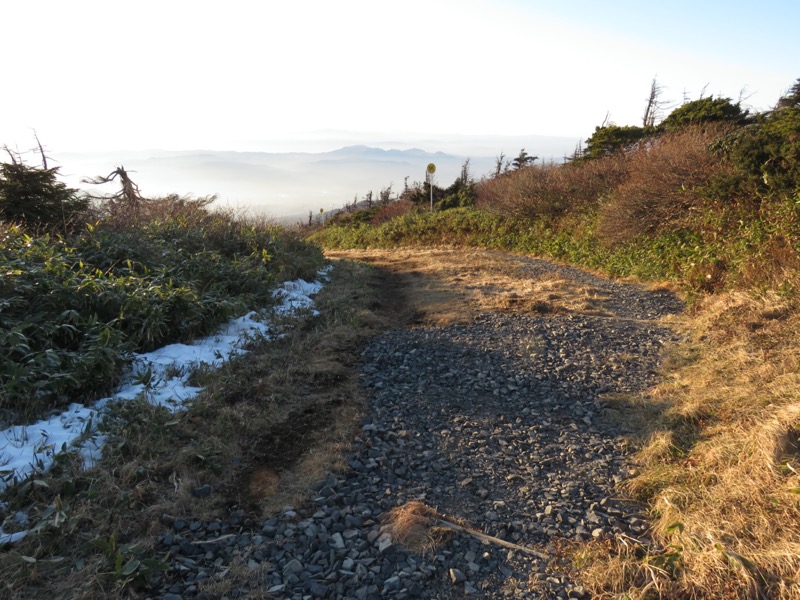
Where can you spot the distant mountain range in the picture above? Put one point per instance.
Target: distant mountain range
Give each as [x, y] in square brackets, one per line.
[281, 185]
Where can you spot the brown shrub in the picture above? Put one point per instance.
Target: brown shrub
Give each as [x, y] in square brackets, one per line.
[666, 180]
[392, 210]
[119, 213]
[552, 189]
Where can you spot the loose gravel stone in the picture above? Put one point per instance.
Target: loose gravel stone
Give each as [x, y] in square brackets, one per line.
[499, 422]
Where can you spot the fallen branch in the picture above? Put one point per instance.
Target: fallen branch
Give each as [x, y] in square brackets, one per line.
[415, 525]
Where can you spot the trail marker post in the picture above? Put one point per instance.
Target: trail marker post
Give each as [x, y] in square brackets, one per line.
[429, 176]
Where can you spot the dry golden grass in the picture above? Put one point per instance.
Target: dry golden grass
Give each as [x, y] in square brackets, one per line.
[721, 467]
[416, 526]
[237, 579]
[291, 414]
[719, 463]
[450, 285]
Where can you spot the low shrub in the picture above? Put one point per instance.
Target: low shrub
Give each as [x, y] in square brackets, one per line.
[551, 190]
[391, 211]
[709, 200]
[667, 178]
[767, 152]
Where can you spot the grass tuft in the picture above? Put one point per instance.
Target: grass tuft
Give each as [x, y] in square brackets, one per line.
[414, 526]
[720, 466]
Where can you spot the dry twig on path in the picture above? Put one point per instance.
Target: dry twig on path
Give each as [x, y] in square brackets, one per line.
[421, 528]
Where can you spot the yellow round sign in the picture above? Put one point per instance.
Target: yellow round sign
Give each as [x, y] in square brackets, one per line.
[431, 168]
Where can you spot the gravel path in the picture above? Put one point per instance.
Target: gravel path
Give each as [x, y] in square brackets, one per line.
[498, 422]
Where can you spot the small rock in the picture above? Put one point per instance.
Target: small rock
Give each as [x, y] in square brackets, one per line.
[203, 491]
[337, 541]
[384, 543]
[457, 576]
[578, 592]
[392, 584]
[327, 492]
[293, 566]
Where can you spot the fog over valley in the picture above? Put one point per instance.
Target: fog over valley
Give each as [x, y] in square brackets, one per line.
[287, 185]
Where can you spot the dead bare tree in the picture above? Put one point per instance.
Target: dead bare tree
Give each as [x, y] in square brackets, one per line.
[744, 95]
[385, 196]
[501, 164]
[465, 177]
[41, 150]
[655, 106]
[12, 155]
[128, 198]
[577, 154]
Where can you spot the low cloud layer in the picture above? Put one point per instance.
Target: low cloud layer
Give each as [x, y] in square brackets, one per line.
[281, 185]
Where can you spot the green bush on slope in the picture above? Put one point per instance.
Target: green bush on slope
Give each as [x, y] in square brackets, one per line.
[73, 308]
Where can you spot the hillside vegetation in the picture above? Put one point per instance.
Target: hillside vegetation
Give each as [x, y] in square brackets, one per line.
[708, 199]
[84, 286]
[85, 283]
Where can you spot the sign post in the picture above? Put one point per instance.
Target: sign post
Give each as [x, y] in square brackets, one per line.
[429, 176]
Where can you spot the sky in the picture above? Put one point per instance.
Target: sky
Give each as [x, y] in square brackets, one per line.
[273, 75]
[443, 75]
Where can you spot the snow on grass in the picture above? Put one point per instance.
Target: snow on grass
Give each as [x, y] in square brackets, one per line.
[162, 376]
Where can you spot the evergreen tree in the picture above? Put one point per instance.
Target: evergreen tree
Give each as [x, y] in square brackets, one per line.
[34, 197]
[704, 110]
[608, 139]
[523, 160]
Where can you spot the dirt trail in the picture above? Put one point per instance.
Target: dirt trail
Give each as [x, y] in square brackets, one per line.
[451, 285]
[486, 400]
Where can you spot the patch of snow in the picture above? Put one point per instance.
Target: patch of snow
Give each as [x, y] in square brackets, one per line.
[161, 376]
[296, 295]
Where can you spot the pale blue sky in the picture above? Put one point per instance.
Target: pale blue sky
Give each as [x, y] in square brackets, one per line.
[275, 76]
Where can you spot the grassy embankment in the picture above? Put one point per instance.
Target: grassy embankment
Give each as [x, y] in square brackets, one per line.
[74, 307]
[266, 428]
[715, 209]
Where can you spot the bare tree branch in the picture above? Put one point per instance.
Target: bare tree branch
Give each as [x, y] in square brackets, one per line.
[14, 156]
[499, 164]
[41, 150]
[655, 105]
